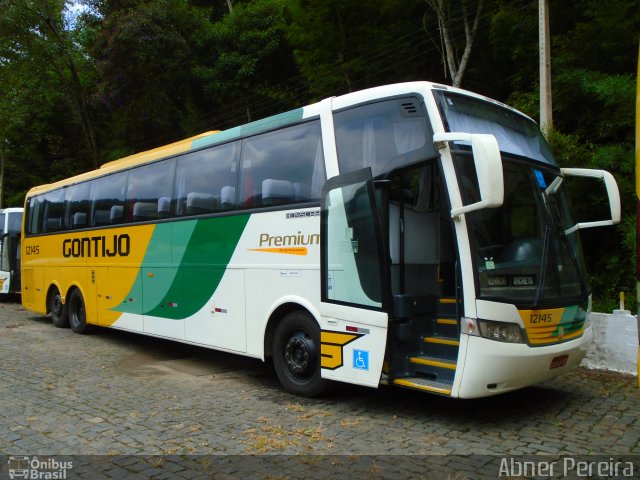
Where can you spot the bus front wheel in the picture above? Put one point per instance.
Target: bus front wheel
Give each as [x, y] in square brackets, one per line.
[77, 313]
[58, 310]
[296, 354]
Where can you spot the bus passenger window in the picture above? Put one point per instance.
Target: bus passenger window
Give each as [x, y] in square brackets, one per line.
[282, 167]
[203, 176]
[145, 211]
[107, 198]
[35, 214]
[77, 205]
[164, 207]
[147, 185]
[382, 135]
[198, 203]
[276, 191]
[53, 211]
[228, 198]
[116, 214]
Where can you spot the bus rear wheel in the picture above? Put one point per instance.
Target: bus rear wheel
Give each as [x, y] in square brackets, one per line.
[77, 313]
[58, 310]
[296, 355]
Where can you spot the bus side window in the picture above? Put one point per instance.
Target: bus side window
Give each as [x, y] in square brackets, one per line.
[206, 179]
[53, 220]
[107, 199]
[282, 167]
[383, 135]
[147, 185]
[35, 213]
[77, 206]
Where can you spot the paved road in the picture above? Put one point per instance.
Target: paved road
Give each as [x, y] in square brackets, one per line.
[118, 394]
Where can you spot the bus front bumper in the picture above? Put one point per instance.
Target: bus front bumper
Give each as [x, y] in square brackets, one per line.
[495, 367]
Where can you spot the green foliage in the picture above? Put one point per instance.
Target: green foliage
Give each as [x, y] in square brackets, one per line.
[44, 115]
[145, 54]
[610, 251]
[250, 59]
[594, 53]
[346, 45]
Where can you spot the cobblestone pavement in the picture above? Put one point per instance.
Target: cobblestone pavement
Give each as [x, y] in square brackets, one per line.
[117, 394]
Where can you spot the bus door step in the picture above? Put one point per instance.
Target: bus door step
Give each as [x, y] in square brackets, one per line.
[423, 384]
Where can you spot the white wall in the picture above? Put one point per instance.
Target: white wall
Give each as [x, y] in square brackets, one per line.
[615, 342]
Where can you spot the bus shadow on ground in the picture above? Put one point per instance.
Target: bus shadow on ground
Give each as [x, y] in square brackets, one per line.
[168, 355]
[518, 406]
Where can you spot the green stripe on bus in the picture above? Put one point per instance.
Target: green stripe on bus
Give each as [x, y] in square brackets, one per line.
[206, 252]
[213, 139]
[253, 128]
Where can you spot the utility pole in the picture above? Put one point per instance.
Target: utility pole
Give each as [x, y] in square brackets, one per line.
[3, 159]
[638, 205]
[546, 120]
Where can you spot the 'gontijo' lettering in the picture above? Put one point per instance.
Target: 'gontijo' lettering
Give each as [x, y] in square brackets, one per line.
[100, 246]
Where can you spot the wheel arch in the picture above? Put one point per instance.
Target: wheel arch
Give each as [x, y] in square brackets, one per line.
[278, 312]
[53, 285]
[75, 286]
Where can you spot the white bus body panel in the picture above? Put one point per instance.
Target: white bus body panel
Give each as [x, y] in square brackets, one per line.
[510, 366]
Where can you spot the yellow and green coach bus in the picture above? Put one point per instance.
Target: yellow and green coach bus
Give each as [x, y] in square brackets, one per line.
[414, 234]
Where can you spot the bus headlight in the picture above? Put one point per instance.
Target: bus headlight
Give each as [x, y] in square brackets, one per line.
[501, 332]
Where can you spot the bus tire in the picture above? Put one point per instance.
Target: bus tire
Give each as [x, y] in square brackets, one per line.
[77, 313]
[58, 310]
[296, 354]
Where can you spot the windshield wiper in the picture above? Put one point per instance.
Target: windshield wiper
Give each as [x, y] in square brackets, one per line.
[574, 260]
[543, 266]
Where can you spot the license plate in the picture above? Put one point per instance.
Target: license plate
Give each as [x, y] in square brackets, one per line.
[558, 362]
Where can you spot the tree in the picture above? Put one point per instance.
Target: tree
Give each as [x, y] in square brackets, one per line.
[346, 45]
[251, 62]
[447, 12]
[594, 54]
[145, 54]
[40, 36]
[44, 133]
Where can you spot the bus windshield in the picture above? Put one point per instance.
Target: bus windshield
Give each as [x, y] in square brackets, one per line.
[526, 251]
[516, 134]
[15, 223]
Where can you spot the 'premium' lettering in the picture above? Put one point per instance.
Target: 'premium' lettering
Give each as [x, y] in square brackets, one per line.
[100, 246]
[267, 240]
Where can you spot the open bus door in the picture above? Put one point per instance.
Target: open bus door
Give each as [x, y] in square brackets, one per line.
[354, 281]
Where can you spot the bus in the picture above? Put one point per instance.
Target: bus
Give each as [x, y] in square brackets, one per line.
[11, 224]
[412, 234]
[638, 208]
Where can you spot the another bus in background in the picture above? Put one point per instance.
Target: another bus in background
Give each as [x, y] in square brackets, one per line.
[11, 223]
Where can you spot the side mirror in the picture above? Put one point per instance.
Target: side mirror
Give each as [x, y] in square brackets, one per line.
[488, 165]
[612, 192]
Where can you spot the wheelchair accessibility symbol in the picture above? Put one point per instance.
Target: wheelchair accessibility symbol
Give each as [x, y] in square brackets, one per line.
[361, 359]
